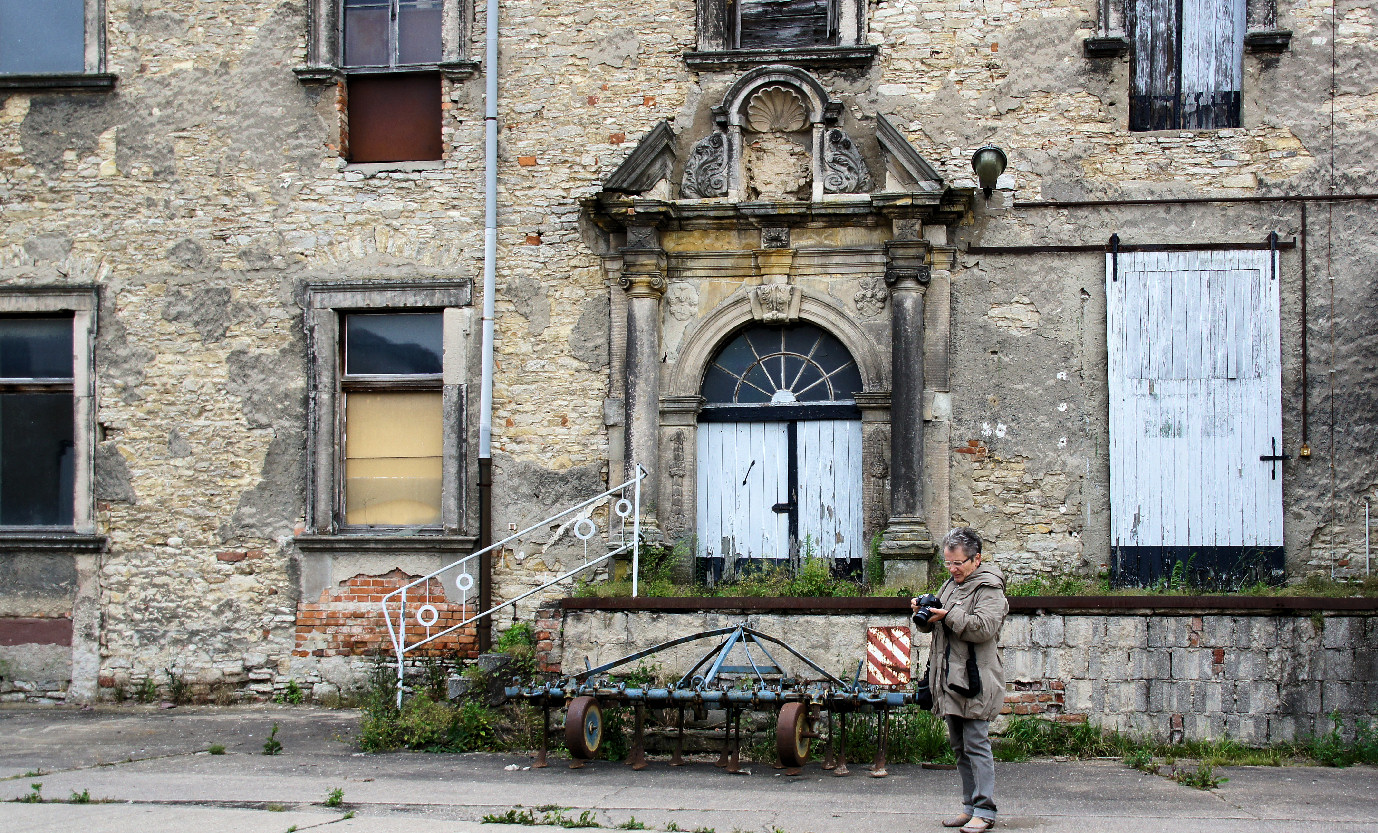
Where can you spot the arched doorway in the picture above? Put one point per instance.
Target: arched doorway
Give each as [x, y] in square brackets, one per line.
[779, 450]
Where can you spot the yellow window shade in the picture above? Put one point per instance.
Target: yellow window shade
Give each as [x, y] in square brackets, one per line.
[393, 453]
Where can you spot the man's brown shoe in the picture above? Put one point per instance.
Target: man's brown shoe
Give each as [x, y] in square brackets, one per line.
[958, 821]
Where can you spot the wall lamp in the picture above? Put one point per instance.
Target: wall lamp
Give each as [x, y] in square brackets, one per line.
[988, 162]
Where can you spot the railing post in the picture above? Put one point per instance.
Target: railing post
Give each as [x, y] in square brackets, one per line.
[401, 646]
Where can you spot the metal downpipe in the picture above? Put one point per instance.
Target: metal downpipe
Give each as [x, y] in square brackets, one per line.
[490, 258]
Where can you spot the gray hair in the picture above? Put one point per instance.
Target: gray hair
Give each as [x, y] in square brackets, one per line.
[964, 538]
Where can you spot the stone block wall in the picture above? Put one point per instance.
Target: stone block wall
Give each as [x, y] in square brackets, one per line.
[1256, 678]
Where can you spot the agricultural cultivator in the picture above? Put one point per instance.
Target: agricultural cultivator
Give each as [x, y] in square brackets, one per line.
[761, 684]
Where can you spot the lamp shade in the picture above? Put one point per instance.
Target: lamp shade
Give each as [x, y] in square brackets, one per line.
[988, 162]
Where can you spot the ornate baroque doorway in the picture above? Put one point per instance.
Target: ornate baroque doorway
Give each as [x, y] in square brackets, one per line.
[779, 450]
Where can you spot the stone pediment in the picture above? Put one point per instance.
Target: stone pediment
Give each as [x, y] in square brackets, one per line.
[905, 167]
[650, 163]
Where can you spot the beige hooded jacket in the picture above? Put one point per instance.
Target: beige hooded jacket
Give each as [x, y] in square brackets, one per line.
[976, 609]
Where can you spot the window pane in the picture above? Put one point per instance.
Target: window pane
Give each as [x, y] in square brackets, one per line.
[418, 32]
[35, 347]
[397, 344]
[36, 459]
[393, 458]
[40, 37]
[394, 117]
[366, 33]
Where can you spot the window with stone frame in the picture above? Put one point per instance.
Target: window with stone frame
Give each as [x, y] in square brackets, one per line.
[47, 420]
[812, 32]
[53, 44]
[388, 368]
[1186, 63]
[391, 57]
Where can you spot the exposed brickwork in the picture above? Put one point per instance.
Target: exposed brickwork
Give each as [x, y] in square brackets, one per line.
[347, 621]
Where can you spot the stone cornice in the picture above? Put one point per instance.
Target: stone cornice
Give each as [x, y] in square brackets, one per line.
[616, 212]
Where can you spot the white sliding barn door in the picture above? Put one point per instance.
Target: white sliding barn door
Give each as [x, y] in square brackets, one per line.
[830, 488]
[1195, 388]
[743, 473]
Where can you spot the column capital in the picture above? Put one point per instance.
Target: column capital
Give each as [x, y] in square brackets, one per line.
[906, 263]
[643, 272]
[907, 277]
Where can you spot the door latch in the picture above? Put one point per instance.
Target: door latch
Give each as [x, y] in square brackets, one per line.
[1274, 457]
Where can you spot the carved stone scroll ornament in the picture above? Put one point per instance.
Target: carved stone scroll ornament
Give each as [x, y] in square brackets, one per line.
[705, 172]
[776, 303]
[844, 171]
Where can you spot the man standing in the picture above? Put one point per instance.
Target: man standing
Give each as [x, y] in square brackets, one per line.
[965, 673]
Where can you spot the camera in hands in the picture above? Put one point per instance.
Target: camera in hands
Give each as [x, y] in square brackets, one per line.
[926, 603]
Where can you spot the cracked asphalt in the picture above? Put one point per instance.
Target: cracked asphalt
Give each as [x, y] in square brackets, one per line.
[147, 770]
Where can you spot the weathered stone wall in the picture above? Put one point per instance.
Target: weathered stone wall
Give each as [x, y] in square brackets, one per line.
[1258, 678]
[206, 190]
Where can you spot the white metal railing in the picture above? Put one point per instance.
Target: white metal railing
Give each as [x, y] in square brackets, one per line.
[625, 514]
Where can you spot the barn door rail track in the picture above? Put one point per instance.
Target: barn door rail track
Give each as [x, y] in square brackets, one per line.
[761, 686]
[624, 514]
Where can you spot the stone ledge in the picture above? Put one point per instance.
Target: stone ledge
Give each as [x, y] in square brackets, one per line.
[826, 57]
[60, 82]
[347, 544]
[1268, 40]
[31, 541]
[1086, 605]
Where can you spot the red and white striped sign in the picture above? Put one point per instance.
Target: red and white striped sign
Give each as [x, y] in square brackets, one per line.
[887, 655]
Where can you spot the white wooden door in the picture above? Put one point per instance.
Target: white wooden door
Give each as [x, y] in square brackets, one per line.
[1195, 388]
[829, 460]
[757, 480]
[743, 473]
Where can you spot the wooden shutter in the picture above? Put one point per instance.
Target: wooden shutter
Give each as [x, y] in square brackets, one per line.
[775, 24]
[1186, 69]
[1195, 391]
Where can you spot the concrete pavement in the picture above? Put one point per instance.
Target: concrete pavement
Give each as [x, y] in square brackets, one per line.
[152, 768]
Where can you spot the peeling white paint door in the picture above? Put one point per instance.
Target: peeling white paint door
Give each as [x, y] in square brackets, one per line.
[764, 485]
[1195, 386]
[829, 461]
[743, 474]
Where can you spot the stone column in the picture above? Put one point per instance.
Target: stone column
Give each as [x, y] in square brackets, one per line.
[907, 546]
[643, 278]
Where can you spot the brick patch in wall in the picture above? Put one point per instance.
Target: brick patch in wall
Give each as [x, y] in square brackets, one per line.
[347, 621]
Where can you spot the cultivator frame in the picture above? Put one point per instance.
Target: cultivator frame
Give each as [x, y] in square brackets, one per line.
[764, 686]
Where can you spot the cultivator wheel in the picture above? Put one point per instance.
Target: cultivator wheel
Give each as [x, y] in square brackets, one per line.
[793, 734]
[584, 728]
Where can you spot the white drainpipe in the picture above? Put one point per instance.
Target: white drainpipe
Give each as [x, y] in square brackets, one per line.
[490, 269]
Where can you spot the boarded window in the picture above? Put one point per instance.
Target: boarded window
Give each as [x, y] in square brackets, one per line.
[778, 24]
[37, 450]
[1187, 64]
[393, 419]
[42, 37]
[394, 117]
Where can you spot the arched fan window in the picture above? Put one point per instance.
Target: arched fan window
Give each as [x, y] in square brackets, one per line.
[781, 373]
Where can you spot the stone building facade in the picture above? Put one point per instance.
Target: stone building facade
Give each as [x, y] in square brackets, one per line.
[216, 197]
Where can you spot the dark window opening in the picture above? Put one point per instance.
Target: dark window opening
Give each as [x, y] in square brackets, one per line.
[394, 117]
[781, 24]
[1186, 69]
[37, 450]
[42, 38]
[392, 33]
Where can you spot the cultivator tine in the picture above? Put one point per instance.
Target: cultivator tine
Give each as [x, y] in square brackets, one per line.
[726, 742]
[829, 757]
[637, 759]
[841, 768]
[733, 761]
[882, 742]
[678, 758]
[545, 738]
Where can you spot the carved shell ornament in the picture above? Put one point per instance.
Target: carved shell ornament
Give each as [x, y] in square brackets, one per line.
[776, 109]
